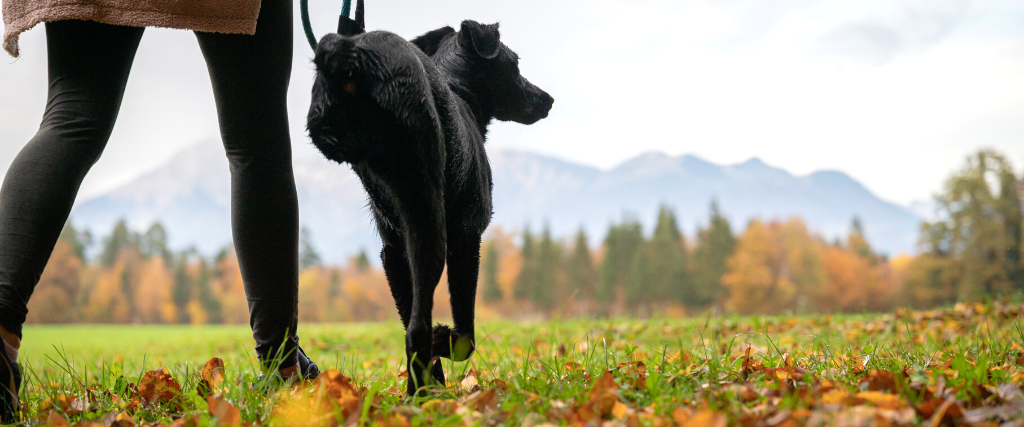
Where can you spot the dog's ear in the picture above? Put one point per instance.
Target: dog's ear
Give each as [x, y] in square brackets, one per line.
[483, 38]
[430, 42]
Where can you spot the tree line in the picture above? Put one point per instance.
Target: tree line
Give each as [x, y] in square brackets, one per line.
[973, 250]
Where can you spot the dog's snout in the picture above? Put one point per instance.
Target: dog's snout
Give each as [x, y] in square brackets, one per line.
[546, 100]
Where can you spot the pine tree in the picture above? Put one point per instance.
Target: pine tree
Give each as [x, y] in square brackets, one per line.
[181, 291]
[527, 277]
[492, 290]
[1008, 205]
[549, 259]
[362, 261]
[669, 260]
[119, 238]
[622, 244]
[581, 275]
[77, 240]
[154, 243]
[715, 244]
[308, 256]
[204, 289]
[856, 242]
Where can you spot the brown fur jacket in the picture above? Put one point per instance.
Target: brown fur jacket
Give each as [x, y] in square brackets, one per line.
[222, 16]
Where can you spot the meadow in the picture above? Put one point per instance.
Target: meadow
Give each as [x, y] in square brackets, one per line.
[958, 365]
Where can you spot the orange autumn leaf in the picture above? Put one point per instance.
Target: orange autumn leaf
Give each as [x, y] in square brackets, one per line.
[339, 387]
[394, 420]
[707, 418]
[604, 394]
[212, 377]
[63, 402]
[225, 413]
[158, 386]
[483, 399]
[879, 399]
[879, 381]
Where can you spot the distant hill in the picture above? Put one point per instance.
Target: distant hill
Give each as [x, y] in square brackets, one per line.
[190, 196]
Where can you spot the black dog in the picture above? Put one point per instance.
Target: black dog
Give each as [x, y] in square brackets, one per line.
[411, 119]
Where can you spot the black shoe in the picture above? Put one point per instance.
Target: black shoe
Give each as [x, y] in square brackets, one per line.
[10, 383]
[307, 370]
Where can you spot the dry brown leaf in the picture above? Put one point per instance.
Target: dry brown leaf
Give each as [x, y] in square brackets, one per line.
[879, 399]
[118, 418]
[707, 418]
[681, 415]
[836, 397]
[619, 410]
[393, 420]
[192, 421]
[469, 382]
[55, 419]
[499, 384]
[483, 399]
[158, 386]
[225, 413]
[879, 380]
[212, 376]
[339, 387]
[62, 402]
[603, 395]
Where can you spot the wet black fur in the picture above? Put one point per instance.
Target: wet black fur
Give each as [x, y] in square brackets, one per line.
[411, 119]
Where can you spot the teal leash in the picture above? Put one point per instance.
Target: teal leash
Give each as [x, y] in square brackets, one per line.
[346, 26]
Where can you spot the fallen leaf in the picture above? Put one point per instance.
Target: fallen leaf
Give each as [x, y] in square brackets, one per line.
[55, 419]
[879, 380]
[225, 413]
[212, 376]
[158, 387]
[836, 397]
[483, 399]
[339, 387]
[192, 421]
[61, 402]
[393, 420]
[469, 382]
[879, 399]
[619, 410]
[707, 418]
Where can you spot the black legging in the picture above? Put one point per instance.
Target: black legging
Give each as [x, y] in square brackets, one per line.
[89, 64]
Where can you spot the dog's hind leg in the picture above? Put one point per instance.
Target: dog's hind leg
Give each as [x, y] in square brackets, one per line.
[395, 259]
[463, 270]
[423, 219]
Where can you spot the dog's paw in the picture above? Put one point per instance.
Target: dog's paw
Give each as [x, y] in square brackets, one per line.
[449, 344]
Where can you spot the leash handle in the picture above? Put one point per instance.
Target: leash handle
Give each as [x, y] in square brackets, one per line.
[346, 26]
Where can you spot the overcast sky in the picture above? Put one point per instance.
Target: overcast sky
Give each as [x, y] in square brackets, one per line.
[895, 93]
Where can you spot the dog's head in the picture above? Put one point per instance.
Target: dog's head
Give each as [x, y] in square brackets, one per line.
[477, 57]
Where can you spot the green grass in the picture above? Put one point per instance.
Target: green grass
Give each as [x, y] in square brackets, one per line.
[550, 372]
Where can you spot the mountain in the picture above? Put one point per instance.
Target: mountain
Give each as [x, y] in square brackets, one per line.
[190, 195]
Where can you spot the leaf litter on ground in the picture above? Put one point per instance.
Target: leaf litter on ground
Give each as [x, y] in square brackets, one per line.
[962, 365]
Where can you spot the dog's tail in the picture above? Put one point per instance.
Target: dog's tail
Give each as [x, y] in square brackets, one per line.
[346, 25]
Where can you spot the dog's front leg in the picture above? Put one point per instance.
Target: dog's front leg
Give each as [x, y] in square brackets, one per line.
[425, 240]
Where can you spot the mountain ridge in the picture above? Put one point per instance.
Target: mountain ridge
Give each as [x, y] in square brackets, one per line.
[190, 195]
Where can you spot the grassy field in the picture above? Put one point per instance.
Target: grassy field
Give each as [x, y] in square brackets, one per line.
[956, 365]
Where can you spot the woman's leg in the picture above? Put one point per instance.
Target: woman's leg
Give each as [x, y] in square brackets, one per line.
[88, 67]
[250, 81]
